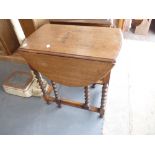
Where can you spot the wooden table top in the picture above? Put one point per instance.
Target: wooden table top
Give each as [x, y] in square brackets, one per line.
[93, 43]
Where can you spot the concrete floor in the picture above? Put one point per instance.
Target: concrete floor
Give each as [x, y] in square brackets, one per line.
[131, 100]
[31, 116]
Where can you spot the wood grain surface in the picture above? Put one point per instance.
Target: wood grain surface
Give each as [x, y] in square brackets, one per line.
[68, 71]
[73, 55]
[97, 43]
[8, 38]
[83, 22]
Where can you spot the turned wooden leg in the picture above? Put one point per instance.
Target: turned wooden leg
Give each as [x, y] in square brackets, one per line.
[56, 94]
[103, 99]
[39, 80]
[86, 93]
[93, 85]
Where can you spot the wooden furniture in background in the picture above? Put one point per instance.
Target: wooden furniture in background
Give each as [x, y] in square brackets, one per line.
[27, 26]
[2, 49]
[8, 39]
[120, 23]
[73, 56]
[30, 25]
[83, 22]
[136, 22]
[143, 27]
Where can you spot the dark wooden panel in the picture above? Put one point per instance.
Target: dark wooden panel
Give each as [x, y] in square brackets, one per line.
[86, 22]
[8, 37]
[27, 26]
[30, 25]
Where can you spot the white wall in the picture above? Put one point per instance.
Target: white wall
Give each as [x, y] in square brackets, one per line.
[18, 30]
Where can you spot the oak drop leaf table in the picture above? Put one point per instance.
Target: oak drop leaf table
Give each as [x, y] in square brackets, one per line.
[76, 56]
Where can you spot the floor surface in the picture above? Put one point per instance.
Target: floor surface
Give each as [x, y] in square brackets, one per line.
[131, 100]
[32, 116]
[130, 107]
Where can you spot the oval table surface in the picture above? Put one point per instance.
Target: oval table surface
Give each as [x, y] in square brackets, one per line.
[72, 55]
